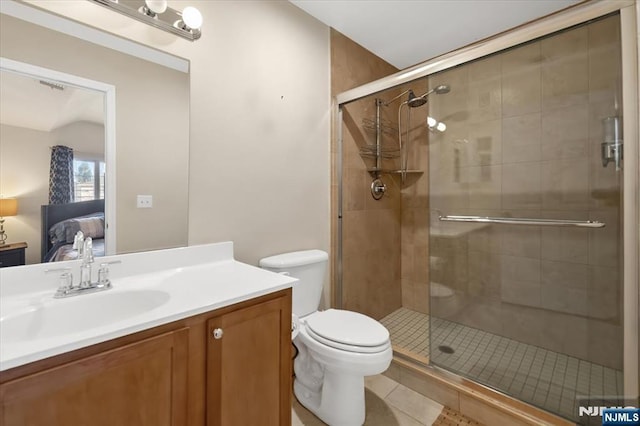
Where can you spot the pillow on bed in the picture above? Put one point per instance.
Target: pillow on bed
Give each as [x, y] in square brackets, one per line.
[91, 225]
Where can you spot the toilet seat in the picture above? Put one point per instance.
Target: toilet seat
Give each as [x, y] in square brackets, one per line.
[348, 331]
[347, 348]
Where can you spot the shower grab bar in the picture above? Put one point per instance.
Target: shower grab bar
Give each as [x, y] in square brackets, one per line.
[523, 221]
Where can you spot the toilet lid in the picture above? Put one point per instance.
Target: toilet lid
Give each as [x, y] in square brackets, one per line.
[348, 328]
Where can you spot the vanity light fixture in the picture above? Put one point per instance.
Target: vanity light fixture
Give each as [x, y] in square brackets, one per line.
[158, 14]
[154, 7]
[191, 19]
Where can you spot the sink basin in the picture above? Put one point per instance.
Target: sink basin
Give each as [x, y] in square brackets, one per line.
[80, 313]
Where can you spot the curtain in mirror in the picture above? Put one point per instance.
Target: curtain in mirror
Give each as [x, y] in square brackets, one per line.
[61, 175]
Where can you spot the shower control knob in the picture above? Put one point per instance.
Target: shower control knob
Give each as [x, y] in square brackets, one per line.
[217, 333]
[378, 188]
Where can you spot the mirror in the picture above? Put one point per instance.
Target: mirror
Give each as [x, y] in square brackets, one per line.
[149, 148]
[45, 114]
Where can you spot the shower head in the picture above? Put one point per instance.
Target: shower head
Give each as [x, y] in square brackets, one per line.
[439, 90]
[414, 101]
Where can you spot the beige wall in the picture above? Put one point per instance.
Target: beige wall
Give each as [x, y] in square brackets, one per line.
[24, 174]
[523, 140]
[259, 103]
[83, 136]
[260, 169]
[152, 150]
[371, 229]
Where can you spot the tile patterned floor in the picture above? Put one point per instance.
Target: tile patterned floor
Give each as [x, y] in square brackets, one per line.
[388, 404]
[544, 378]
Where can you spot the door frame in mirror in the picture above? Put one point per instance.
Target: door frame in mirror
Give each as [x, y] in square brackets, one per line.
[109, 92]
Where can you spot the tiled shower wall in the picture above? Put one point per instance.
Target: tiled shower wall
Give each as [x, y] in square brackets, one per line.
[371, 229]
[523, 137]
[385, 242]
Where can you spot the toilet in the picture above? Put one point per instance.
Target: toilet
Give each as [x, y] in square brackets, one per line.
[336, 348]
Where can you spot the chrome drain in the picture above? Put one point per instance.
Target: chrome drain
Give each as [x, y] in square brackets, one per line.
[446, 349]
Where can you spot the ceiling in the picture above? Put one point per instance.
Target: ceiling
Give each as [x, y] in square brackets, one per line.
[25, 102]
[407, 32]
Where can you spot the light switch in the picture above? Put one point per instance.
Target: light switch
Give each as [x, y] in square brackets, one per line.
[145, 201]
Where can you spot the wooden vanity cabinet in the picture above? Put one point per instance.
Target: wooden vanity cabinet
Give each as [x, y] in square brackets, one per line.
[140, 383]
[177, 374]
[247, 368]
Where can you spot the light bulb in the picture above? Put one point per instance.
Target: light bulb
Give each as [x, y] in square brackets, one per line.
[156, 6]
[192, 17]
[431, 122]
[441, 126]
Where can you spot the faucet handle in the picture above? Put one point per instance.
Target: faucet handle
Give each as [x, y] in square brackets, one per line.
[66, 278]
[66, 281]
[103, 272]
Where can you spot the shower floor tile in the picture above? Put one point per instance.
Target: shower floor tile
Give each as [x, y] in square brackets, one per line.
[547, 379]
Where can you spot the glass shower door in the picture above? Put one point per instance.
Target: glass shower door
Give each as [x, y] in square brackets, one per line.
[525, 220]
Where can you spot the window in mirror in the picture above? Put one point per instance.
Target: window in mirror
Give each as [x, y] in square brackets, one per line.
[88, 176]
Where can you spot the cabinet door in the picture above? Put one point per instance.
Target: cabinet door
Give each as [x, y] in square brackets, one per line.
[144, 383]
[249, 366]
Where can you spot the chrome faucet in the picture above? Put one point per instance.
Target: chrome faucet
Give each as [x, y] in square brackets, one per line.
[87, 260]
[85, 286]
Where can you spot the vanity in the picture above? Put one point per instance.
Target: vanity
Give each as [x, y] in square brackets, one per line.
[186, 336]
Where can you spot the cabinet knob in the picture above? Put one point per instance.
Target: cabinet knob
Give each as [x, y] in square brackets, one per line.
[217, 333]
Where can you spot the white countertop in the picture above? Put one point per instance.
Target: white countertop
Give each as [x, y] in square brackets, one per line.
[190, 280]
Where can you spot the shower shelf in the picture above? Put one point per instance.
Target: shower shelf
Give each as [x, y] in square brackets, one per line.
[386, 153]
[386, 127]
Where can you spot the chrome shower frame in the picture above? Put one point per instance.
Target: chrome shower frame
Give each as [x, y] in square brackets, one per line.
[629, 11]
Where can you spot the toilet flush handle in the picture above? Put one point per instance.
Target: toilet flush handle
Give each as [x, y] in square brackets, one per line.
[217, 333]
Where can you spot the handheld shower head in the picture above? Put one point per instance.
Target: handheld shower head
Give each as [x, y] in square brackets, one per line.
[443, 88]
[439, 90]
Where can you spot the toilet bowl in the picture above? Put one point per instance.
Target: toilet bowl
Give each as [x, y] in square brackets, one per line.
[336, 348]
[330, 370]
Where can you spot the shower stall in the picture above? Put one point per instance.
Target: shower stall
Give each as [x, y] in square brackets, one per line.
[488, 223]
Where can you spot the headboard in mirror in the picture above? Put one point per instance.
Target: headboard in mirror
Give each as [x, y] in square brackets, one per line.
[151, 131]
[61, 222]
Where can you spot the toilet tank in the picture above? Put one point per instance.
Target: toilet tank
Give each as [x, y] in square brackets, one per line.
[309, 267]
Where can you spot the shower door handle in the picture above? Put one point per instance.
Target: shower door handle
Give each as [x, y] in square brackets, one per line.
[524, 221]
